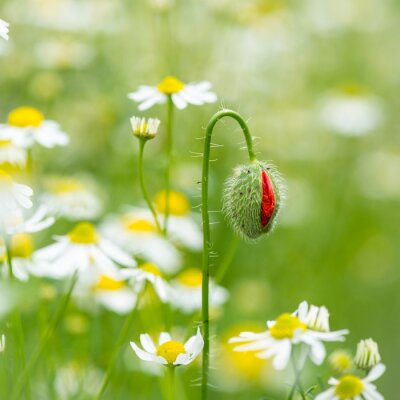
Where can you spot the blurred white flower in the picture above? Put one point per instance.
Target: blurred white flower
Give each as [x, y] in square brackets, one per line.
[26, 125]
[16, 222]
[22, 249]
[145, 128]
[168, 351]
[82, 248]
[149, 273]
[114, 294]
[187, 295]
[4, 29]
[12, 154]
[289, 330]
[74, 380]
[182, 94]
[341, 361]
[61, 53]
[13, 196]
[351, 387]
[367, 355]
[352, 111]
[135, 232]
[182, 227]
[2, 343]
[72, 198]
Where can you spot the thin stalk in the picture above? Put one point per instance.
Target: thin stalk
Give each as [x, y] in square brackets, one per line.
[16, 319]
[170, 383]
[170, 116]
[297, 383]
[121, 338]
[206, 231]
[44, 340]
[142, 143]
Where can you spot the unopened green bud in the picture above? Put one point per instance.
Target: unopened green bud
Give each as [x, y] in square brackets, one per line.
[252, 199]
[367, 355]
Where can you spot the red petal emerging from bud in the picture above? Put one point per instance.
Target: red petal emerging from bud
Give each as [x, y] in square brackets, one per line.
[268, 199]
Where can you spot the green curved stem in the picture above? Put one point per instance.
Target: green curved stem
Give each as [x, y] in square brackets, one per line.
[170, 115]
[37, 352]
[120, 341]
[206, 230]
[146, 196]
[16, 318]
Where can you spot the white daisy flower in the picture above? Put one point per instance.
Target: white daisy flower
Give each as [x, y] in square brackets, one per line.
[2, 343]
[187, 296]
[13, 196]
[352, 111]
[12, 154]
[303, 326]
[145, 128]
[21, 251]
[82, 248]
[16, 222]
[4, 29]
[136, 233]
[367, 355]
[351, 387]
[26, 125]
[168, 351]
[149, 273]
[114, 294]
[182, 227]
[181, 94]
[72, 198]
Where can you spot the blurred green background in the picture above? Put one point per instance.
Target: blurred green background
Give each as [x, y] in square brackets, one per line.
[277, 63]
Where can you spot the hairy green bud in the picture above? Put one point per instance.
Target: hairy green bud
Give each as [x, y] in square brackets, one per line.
[252, 199]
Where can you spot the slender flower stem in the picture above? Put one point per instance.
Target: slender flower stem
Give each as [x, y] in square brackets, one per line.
[142, 143]
[170, 116]
[170, 383]
[297, 383]
[206, 230]
[16, 318]
[44, 340]
[121, 338]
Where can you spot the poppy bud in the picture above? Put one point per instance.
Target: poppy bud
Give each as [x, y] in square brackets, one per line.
[252, 199]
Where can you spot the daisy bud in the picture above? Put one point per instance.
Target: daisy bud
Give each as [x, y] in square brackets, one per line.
[252, 199]
[143, 128]
[367, 355]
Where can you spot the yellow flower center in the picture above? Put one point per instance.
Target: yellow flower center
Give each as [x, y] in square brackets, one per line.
[192, 277]
[170, 350]
[151, 268]
[170, 85]
[4, 177]
[22, 245]
[354, 89]
[23, 117]
[67, 185]
[341, 361]
[178, 203]
[349, 386]
[137, 225]
[285, 327]
[107, 283]
[84, 233]
[5, 143]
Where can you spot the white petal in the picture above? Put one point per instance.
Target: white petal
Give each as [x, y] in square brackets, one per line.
[327, 395]
[116, 254]
[376, 372]
[164, 337]
[147, 343]
[145, 356]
